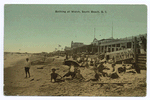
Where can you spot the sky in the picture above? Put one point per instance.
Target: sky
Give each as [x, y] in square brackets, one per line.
[38, 28]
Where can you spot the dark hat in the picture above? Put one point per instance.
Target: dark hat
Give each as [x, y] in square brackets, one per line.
[53, 69]
[27, 58]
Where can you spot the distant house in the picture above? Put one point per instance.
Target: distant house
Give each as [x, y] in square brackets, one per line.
[96, 43]
[67, 48]
[76, 44]
[112, 45]
[84, 49]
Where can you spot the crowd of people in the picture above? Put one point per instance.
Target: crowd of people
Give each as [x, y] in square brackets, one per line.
[101, 68]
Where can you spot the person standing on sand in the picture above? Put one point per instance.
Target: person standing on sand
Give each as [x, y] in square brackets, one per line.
[27, 67]
[44, 58]
[66, 56]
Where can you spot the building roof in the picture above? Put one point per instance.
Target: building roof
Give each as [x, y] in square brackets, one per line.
[77, 43]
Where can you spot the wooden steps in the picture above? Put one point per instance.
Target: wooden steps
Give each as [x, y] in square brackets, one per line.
[141, 61]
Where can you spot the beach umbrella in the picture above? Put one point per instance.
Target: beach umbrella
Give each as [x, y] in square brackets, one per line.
[72, 62]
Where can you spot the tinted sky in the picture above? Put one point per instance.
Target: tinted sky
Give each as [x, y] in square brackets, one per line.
[37, 28]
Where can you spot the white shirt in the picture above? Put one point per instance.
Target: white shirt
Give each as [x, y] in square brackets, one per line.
[107, 65]
[72, 69]
[28, 64]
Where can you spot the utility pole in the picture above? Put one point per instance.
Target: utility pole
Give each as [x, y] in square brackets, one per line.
[112, 30]
[98, 48]
[94, 33]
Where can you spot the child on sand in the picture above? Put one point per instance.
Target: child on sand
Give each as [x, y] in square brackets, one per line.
[27, 67]
[54, 75]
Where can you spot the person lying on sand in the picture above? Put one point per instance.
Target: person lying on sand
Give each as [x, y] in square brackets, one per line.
[54, 75]
[27, 67]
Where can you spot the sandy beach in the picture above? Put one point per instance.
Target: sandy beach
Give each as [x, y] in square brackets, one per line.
[39, 83]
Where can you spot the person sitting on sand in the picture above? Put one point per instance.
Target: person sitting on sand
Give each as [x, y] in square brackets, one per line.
[113, 71]
[71, 72]
[79, 60]
[96, 76]
[109, 68]
[96, 62]
[54, 75]
[27, 67]
[79, 75]
[91, 62]
[100, 68]
[86, 64]
[86, 59]
[114, 74]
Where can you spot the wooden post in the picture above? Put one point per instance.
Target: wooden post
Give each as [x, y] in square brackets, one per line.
[110, 48]
[135, 50]
[99, 48]
[104, 49]
[115, 47]
[136, 56]
[132, 43]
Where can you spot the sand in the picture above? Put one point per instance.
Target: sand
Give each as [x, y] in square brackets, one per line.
[39, 83]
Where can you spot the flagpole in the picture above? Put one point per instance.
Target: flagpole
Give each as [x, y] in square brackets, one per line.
[112, 29]
[58, 50]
